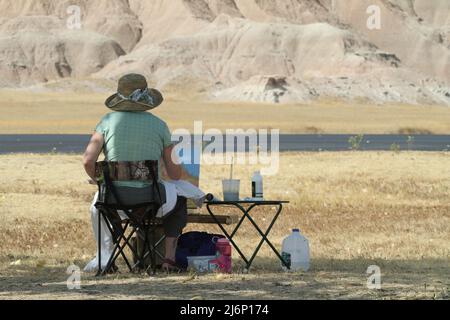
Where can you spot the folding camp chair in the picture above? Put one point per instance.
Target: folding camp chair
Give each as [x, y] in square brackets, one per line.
[124, 208]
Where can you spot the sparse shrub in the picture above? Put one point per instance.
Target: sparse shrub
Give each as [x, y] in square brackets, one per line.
[410, 141]
[355, 142]
[395, 147]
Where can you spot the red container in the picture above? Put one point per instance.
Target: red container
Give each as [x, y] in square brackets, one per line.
[223, 253]
[223, 246]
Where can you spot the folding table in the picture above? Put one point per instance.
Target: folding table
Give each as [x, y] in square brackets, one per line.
[246, 207]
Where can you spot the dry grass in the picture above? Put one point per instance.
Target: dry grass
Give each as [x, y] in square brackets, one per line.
[357, 209]
[31, 112]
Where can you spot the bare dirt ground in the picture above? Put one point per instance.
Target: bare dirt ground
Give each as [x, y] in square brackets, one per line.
[356, 208]
[78, 113]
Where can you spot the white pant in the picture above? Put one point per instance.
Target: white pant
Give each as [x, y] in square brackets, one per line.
[107, 244]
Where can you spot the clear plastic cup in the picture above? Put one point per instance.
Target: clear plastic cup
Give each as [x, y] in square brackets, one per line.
[231, 189]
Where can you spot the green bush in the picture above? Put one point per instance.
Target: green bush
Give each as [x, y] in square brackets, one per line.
[355, 142]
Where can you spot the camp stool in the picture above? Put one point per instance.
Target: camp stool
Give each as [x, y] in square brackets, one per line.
[124, 208]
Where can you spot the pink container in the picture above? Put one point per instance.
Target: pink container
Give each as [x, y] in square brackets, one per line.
[223, 253]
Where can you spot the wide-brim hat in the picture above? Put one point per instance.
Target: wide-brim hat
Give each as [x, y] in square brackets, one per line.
[133, 94]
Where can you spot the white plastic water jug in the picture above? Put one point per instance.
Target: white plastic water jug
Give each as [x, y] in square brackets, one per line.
[295, 251]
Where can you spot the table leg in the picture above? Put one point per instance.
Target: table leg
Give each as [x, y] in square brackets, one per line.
[241, 220]
[264, 237]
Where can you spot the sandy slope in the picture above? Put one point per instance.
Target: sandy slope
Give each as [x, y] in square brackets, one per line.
[235, 49]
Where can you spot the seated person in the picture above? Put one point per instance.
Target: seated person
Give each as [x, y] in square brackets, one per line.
[131, 134]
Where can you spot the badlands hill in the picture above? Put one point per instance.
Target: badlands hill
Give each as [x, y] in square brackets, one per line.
[246, 50]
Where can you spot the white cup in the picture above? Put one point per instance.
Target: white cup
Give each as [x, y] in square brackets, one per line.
[231, 189]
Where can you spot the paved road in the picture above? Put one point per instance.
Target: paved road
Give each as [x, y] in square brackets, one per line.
[77, 143]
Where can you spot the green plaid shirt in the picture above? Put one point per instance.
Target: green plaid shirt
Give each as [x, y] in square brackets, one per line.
[133, 136]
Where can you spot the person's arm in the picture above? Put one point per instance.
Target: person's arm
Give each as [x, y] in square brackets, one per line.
[92, 153]
[173, 170]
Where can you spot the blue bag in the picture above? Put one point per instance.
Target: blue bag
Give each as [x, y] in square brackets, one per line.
[195, 244]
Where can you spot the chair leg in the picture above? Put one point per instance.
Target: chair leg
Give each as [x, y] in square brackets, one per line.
[153, 249]
[113, 256]
[146, 249]
[160, 255]
[121, 241]
[111, 260]
[118, 247]
[142, 254]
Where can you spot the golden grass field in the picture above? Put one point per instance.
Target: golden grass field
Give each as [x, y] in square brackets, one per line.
[78, 113]
[356, 208]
